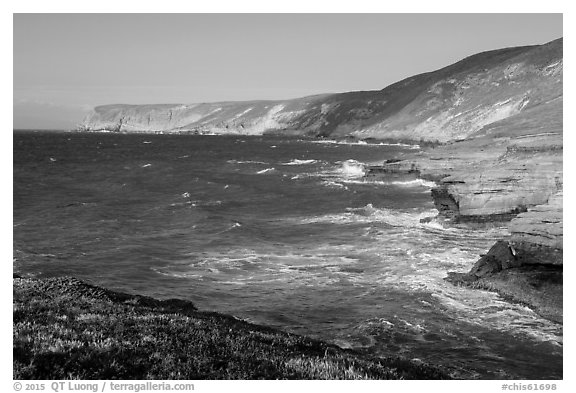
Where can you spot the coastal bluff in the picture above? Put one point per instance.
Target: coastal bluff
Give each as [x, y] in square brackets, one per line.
[444, 105]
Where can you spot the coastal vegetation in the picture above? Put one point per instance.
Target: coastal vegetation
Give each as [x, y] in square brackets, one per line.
[65, 328]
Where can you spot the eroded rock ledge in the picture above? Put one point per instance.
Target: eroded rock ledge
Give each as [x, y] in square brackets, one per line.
[537, 234]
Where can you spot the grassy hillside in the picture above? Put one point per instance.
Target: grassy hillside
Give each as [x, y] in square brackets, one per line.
[444, 105]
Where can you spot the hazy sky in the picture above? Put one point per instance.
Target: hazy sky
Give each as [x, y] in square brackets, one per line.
[64, 64]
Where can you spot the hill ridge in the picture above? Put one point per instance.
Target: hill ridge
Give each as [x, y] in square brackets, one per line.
[422, 106]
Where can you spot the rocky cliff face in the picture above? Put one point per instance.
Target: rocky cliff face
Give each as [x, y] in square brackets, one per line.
[254, 117]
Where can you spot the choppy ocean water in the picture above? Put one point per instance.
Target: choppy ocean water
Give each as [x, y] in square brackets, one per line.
[278, 231]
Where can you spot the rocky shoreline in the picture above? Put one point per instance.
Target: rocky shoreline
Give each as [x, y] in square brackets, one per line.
[64, 328]
[516, 183]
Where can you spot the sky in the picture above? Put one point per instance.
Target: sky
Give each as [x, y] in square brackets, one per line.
[65, 64]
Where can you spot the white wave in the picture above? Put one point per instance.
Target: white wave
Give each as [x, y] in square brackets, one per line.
[299, 162]
[265, 171]
[146, 165]
[334, 142]
[326, 265]
[413, 183]
[488, 310]
[425, 267]
[416, 146]
[352, 169]
[243, 266]
[364, 143]
[406, 183]
[398, 218]
[368, 214]
[365, 181]
[434, 225]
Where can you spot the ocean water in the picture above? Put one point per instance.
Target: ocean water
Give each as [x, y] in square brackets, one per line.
[278, 231]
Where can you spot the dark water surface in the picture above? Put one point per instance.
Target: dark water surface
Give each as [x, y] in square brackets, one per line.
[277, 231]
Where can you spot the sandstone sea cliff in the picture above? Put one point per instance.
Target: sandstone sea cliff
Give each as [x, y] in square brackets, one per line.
[492, 124]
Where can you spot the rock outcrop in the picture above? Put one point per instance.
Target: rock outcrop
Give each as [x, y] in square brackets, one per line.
[501, 256]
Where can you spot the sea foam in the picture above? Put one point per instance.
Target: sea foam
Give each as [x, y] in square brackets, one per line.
[300, 162]
[420, 183]
[364, 143]
[369, 213]
[352, 169]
